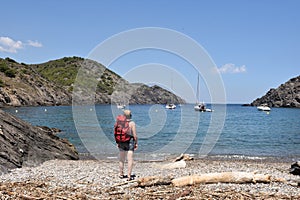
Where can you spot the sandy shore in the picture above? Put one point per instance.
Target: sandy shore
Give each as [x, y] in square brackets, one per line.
[98, 179]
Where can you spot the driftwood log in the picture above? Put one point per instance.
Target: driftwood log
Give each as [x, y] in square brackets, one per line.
[223, 177]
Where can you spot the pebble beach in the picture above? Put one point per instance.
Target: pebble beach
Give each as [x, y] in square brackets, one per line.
[98, 179]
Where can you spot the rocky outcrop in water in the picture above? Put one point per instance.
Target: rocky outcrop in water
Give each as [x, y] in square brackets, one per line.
[25, 145]
[286, 95]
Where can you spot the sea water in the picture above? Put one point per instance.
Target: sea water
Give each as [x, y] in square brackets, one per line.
[229, 131]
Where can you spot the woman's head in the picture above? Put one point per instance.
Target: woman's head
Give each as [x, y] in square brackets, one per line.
[127, 114]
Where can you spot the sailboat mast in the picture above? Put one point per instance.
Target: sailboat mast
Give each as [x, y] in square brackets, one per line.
[197, 101]
[172, 99]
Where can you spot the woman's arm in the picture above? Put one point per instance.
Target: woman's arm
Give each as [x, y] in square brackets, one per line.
[133, 129]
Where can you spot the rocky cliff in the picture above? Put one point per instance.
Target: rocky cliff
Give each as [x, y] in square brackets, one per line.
[25, 145]
[286, 95]
[52, 83]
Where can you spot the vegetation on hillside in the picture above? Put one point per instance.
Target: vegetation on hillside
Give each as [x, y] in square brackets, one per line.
[6, 69]
[106, 83]
[62, 71]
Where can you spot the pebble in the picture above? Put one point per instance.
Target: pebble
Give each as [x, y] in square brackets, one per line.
[95, 179]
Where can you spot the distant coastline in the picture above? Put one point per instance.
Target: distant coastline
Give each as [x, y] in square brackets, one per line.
[51, 84]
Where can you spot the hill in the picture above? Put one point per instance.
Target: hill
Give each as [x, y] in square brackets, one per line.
[52, 82]
[286, 95]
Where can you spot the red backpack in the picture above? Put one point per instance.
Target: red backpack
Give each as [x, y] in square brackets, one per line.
[122, 129]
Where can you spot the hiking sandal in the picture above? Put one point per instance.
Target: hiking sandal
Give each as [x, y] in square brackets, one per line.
[131, 177]
[122, 176]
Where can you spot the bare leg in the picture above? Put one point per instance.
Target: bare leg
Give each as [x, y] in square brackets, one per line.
[130, 162]
[121, 161]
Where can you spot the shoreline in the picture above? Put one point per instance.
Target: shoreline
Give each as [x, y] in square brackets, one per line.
[162, 158]
[98, 179]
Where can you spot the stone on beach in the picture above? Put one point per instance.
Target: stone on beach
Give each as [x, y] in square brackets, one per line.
[295, 168]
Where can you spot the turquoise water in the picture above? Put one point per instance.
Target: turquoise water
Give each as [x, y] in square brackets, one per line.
[231, 130]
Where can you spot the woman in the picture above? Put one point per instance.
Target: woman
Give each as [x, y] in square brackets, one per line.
[127, 148]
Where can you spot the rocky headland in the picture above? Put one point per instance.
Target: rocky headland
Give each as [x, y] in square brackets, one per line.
[52, 83]
[25, 145]
[286, 95]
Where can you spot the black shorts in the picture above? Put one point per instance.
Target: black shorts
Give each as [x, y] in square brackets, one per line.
[127, 146]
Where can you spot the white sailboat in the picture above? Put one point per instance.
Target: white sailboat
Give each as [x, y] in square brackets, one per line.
[200, 106]
[171, 105]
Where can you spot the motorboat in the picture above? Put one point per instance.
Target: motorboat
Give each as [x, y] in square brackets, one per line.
[264, 107]
[202, 108]
[121, 106]
[171, 106]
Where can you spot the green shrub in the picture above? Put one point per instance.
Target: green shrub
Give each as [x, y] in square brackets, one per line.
[3, 67]
[10, 73]
[24, 71]
[70, 89]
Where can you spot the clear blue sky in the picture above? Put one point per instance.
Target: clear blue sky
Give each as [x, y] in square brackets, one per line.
[255, 44]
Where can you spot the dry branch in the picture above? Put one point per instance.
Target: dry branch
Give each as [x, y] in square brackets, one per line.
[124, 183]
[154, 180]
